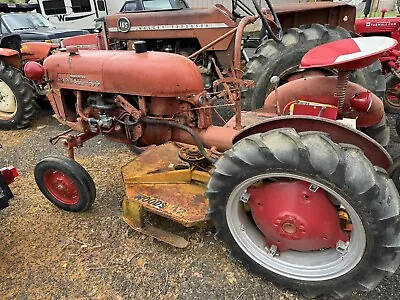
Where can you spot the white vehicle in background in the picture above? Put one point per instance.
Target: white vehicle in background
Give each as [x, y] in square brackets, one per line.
[77, 14]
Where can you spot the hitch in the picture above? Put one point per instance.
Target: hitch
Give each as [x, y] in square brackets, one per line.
[71, 140]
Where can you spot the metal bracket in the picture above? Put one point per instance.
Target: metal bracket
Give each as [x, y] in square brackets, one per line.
[133, 214]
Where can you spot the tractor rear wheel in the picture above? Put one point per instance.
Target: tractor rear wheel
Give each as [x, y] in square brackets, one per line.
[306, 213]
[283, 59]
[65, 183]
[16, 98]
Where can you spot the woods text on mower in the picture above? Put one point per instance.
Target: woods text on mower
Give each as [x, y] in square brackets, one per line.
[295, 190]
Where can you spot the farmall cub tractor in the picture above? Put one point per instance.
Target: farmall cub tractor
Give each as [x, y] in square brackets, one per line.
[219, 39]
[295, 190]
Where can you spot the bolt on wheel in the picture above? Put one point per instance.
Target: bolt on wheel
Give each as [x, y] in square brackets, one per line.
[65, 183]
[306, 213]
[302, 227]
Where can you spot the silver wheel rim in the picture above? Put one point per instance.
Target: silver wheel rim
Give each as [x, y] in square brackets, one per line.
[8, 101]
[308, 266]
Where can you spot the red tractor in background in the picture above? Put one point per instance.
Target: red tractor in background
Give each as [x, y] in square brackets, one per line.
[385, 26]
[18, 93]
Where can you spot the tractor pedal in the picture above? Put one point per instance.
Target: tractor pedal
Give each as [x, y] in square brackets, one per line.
[159, 234]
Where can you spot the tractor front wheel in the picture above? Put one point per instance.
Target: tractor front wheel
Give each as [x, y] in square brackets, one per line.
[306, 213]
[65, 183]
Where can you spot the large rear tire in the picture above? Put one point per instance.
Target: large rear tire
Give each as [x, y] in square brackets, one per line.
[16, 98]
[349, 180]
[283, 59]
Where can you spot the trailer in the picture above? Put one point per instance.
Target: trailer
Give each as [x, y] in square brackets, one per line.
[80, 14]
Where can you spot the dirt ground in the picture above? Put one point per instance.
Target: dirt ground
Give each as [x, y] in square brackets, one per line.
[46, 253]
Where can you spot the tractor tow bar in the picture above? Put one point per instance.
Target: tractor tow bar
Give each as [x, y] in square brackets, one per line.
[71, 140]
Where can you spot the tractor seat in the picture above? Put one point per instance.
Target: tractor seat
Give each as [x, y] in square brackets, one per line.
[348, 54]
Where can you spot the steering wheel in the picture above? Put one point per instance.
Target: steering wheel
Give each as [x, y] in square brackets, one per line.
[276, 37]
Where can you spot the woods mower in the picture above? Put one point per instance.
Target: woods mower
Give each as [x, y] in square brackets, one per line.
[296, 191]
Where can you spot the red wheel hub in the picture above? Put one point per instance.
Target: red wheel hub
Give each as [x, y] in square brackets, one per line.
[61, 187]
[293, 215]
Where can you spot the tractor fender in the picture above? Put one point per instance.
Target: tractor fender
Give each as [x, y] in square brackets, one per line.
[36, 51]
[321, 89]
[92, 41]
[11, 57]
[338, 132]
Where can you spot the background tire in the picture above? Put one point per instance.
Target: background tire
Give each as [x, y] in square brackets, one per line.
[43, 102]
[65, 183]
[394, 172]
[398, 125]
[23, 94]
[337, 168]
[283, 59]
[380, 132]
[390, 100]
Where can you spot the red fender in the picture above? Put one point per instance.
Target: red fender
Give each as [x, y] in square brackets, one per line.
[93, 41]
[36, 51]
[338, 132]
[322, 89]
[11, 57]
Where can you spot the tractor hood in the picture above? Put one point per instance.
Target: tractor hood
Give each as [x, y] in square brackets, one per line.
[155, 74]
[43, 33]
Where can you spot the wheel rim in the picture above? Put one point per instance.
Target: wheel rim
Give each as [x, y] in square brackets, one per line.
[8, 101]
[308, 265]
[61, 187]
[392, 95]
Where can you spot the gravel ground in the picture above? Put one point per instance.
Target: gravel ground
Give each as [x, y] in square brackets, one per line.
[47, 253]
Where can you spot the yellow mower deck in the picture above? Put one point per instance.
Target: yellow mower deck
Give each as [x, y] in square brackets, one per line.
[154, 183]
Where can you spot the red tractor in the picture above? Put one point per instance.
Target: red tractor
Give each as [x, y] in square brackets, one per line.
[215, 39]
[296, 191]
[385, 26]
[18, 93]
